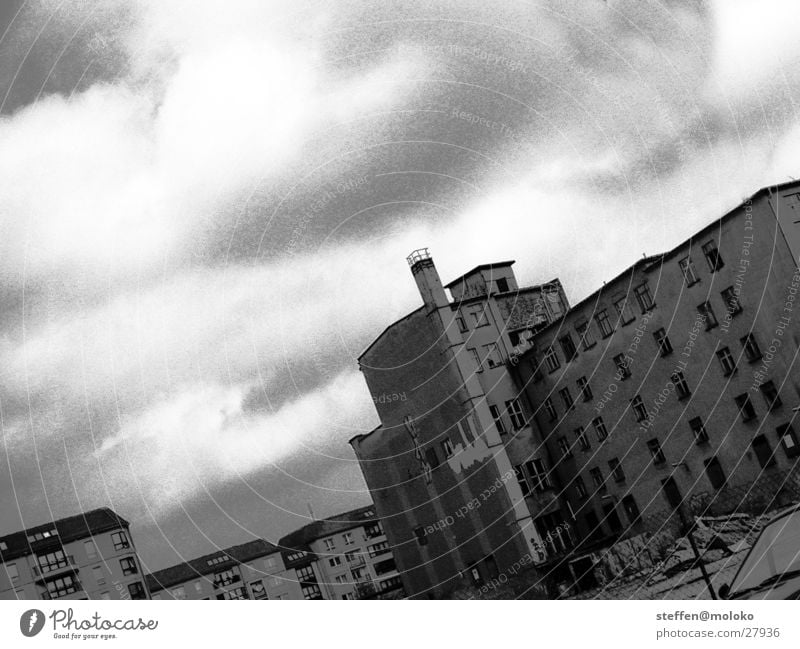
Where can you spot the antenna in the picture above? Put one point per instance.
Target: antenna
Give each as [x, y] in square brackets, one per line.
[311, 512]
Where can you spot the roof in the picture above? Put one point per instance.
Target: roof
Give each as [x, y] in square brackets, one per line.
[497, 264]
[69, 529]
[302, 538]
[195, 568]
[388, 327]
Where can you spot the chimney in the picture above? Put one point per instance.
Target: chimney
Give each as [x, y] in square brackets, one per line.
[427, 278]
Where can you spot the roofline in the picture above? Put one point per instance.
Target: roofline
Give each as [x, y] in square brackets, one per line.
[496, 264]
[386, 329]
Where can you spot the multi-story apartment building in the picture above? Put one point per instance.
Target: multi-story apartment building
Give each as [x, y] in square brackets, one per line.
[344, 557]
[440, 465]
[88, 556]
[676, 382]
[253, 570]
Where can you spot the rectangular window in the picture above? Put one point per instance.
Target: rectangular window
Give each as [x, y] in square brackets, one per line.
[447, 448]
[664, 346]
[712, 256]
[623, 370]
[564, 447]
[330, 545]
[788, 440]
[523, 483]
[136, 591]
[52, 561]
[600, 428]
[568, 347]
[631, 509]
[269, 563]
[726, 361]
[377, 549]
[615, 466]
[655, 451]
[681, 386]
[731, 300]
[582, 439]
[13, 572]
[716, 476]
[585, 335]
[90, 548]
[537, 474]
[491, 355]
[771, 395]
[462, 325]
[514, 411]
[643, 297]
[671, 492]
[746, 409]
[502, 285]
[639, 409]
[597, 479]
[128, 565]
[536, 369]
[341, 579]
[476, 357]
[624, 311]
[120, 541]
[178, 592]
[236, 593]
[751, 350]
[432, 459]
[604, 323]
[687, 268]
[566, 397]
[551, 409]
[226, 578]
[707, 312]
[551, 360]
[498, 420]
[580, 487]
[422, 538]
[335, 561]
[61, 586]
[585, 389]
[763, 451]
[699, 430]
[306, 574]
[480, 318]
[258, 590]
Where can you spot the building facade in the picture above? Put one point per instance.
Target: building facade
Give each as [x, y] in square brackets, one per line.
[439, 466]
[253, 570]
[89, 556]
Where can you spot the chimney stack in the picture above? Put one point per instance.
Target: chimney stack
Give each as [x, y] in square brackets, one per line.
[427, 278]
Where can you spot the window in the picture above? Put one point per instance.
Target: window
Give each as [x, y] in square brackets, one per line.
[447, 448]
[664, 346]
[689, 274]
[178, 593]
[514, 411]
[234, 593]
[373, 529]
[52, 561]
[433, 461]
[604, 323]
[61, 586]
[306, 574]
[462, 325]
[643, 297]
[378, 548]
[348, 596]
[751, 350]
[712, 256]
[128, 565]
[624, 311]
[221, 559]
[422, 539]
[550, 408]
[226, 578]
[198, 587]
[585, 335]
[341, 579]
[551, 360]
[671, 492]
[681, 386]
[771, 395]
[788, 440]
[623, 371]
[580, 437]
[537, 473]
[536, 369]
[600, 428]
[90, 548]
[136, 590]
[731, 300]
[655, 451]
[476, 357]
[566, 397]
[120, 541]
[523, 483]
[335, 561]
[275, 582]
[491, 355]
[597, 479]
[727, 362]
[639, 409]
[480, 318]
[563, 446]
[269, 563]
[631, 509]
[389, 584]
[615, 466]
[580, 487]
[258, 590]
[348, 536]
[763, 451]
[330, 545]
[699, 430]
[382, 567]
[502, 285]
[716, 476]
[3, 546]
[13, 572]
[707, 312]
[584, 389]
[498, 420]
[745, 406]
[568, 347]
[107, 595]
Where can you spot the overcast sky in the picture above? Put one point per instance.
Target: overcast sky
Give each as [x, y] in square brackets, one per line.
[205, 209]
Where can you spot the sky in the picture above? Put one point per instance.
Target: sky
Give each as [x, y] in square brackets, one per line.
[206, 206]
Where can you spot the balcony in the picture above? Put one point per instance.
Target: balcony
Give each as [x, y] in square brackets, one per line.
[45, 572]
[356, 561]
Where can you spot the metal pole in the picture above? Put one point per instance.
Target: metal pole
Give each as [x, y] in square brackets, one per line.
[689, 529]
